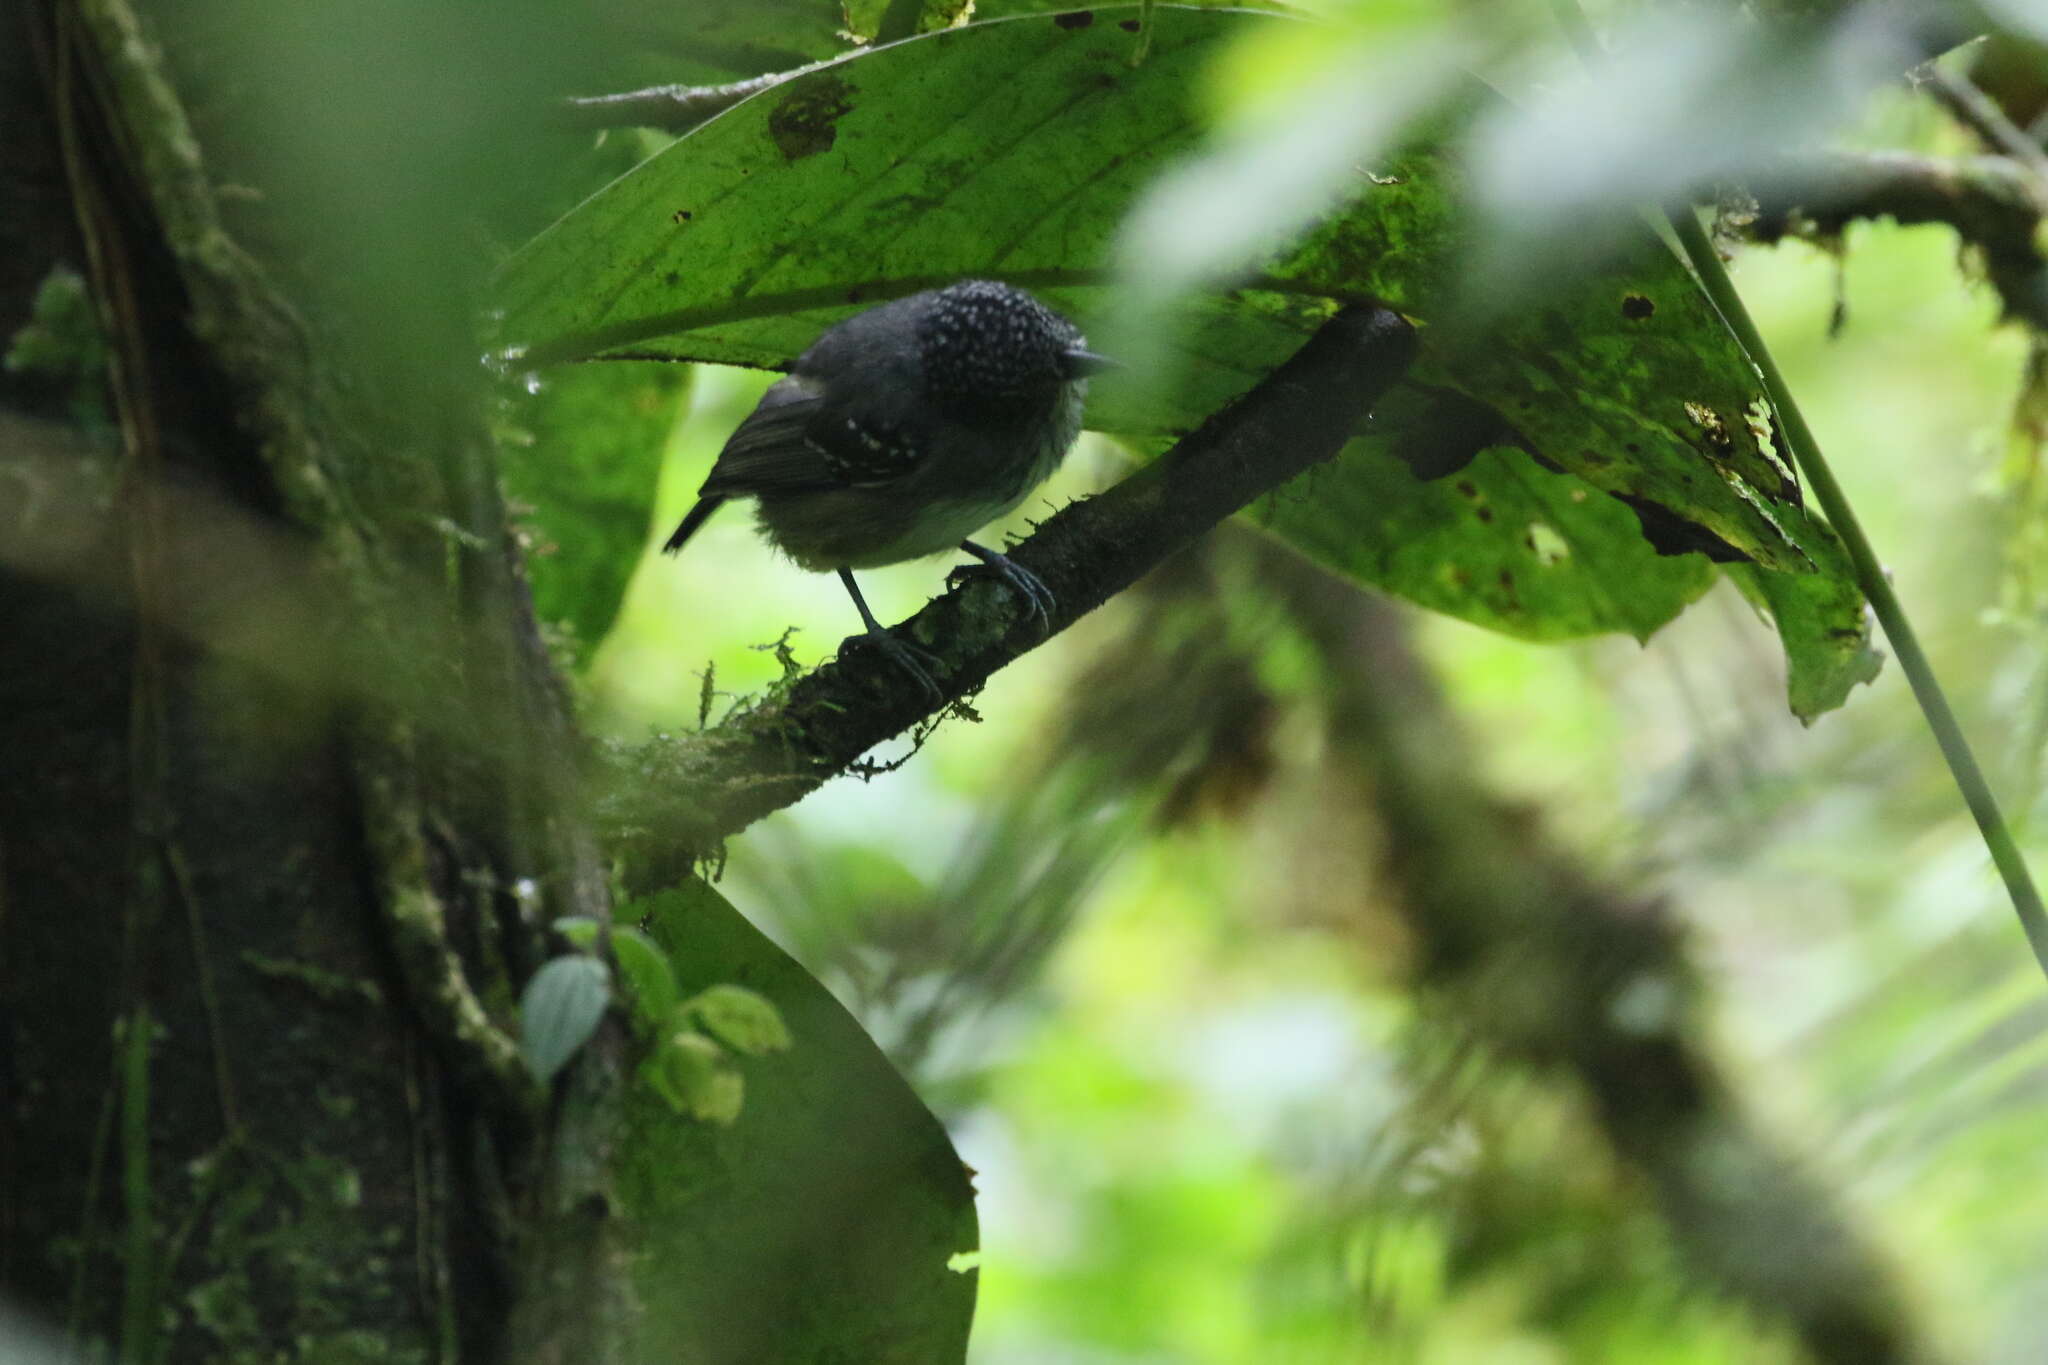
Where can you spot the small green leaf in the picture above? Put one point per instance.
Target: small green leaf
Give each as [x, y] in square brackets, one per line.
[560, 1010]
[696, 1078]
[580, 930]
[647, 973]
[673, 1071]
[744, 1020]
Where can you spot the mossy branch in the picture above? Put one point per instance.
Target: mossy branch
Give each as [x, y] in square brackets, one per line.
[1993, 202]
[682, 796]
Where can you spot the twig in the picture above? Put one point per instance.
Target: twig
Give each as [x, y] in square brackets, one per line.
[1992, 202]
[1959, 95]
[679, 108]
[180, 877]
[416, 924]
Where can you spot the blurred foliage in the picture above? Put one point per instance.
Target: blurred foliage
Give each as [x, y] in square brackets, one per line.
[60, 355]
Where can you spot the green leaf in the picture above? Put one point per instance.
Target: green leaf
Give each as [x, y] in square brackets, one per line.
[650, 982]
[579, 930]
[864, 17]
[907, 166]
[648, 974]
[871, 177]
[1827, 637]
[581, 463]
[824, 1213]
[560, 1010]
[1502, 542]
[745, 1021]
[693, 1074]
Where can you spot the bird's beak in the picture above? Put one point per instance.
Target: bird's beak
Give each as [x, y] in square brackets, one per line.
[1080, 361]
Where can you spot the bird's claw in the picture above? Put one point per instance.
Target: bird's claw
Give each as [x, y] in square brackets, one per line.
[917, 663]
[1038, 599]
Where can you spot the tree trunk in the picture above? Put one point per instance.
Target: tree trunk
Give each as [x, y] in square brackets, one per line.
[287, 799]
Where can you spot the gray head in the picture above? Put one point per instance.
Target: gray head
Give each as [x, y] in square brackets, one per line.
[981, 339]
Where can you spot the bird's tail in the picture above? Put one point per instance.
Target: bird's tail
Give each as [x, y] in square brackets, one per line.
[689, 524]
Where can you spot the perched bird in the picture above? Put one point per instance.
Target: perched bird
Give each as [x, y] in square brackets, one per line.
[902, 431]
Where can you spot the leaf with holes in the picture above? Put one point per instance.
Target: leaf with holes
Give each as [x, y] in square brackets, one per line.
[1502, 542]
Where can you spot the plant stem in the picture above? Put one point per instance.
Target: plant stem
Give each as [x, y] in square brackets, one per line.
[139, 1306]
[1870, 577]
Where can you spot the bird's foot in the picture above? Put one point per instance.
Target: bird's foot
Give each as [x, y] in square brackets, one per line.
[918, 663]
[1038, 599]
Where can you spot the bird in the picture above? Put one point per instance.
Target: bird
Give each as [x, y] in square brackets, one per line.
[903, 430]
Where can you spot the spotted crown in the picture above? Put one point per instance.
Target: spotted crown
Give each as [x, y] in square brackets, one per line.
[984, 339]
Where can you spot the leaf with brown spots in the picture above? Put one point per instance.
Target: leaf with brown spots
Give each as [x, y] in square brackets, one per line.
[804, 121]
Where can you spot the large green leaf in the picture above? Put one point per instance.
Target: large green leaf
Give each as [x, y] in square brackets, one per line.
[1017, 148]
[580, 460]
[822, 1223]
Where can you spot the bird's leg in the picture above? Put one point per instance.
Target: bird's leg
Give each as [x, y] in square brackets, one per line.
[1038, 599]
[908, 657]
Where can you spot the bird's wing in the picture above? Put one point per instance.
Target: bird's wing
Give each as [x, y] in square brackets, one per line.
[798, 441]
[771, 451]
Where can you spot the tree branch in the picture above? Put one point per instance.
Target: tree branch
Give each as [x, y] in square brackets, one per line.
[681, 796]
[1980, 113]
[1546, 964]
[1993, 202]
